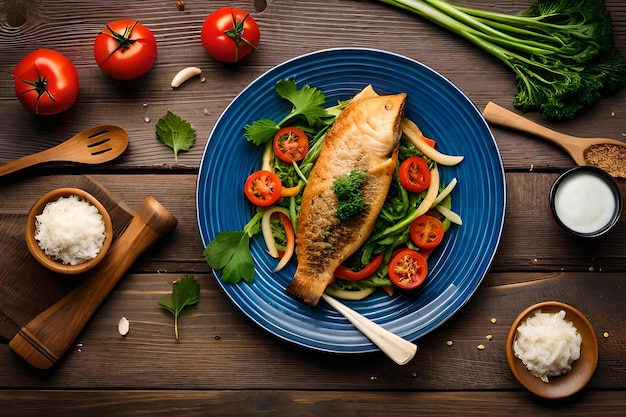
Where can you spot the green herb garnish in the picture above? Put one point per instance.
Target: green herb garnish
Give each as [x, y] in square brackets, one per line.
[176, 133]
[185, 292]
[308, 103]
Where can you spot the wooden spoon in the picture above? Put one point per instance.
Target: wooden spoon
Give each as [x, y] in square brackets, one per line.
[46, 338]
[575, 146]
[399, 350]
[92, 146]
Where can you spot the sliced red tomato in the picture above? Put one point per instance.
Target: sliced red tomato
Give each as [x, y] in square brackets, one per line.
[426, 232]
[370, 269]
[263, 188]
[414, 174]
[407, 269]
[291, 144]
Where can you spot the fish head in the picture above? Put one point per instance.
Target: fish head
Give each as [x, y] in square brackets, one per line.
[383, 115]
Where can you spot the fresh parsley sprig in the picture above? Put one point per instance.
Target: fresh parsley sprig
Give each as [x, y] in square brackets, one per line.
[308, 103]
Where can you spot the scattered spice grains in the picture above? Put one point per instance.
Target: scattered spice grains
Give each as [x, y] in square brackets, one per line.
[449, 343]
[480, 347]
[605, 334]
[493, 320]
[608, 157]
[489, 337]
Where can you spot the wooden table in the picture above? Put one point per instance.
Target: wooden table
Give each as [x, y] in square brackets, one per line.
[224, 364]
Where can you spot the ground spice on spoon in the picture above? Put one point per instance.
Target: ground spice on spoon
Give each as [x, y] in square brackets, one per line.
[609, 157]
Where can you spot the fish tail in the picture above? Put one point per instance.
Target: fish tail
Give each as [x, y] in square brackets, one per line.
[308, 288]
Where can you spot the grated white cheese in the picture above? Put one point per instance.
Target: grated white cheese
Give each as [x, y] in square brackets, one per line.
[70, 230]
[547, 344]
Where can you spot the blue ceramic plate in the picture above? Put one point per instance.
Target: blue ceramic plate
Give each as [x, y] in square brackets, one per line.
[444, 113]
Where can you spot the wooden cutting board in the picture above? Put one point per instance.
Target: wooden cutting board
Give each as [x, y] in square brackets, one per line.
[26, 287]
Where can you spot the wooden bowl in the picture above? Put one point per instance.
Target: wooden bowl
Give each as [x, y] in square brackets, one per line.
[41, 256]
[582, 369]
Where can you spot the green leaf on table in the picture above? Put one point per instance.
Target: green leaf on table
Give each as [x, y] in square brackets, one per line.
[185, 292]
[176, 133]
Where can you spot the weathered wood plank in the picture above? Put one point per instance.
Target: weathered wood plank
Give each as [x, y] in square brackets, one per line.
[288, 403]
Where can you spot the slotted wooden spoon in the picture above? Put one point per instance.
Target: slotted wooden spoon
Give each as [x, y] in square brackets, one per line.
[575, 146]
[92, 146]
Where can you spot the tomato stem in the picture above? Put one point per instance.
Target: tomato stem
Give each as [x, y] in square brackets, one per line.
[236, 34]
[40, 87]
[123, 39]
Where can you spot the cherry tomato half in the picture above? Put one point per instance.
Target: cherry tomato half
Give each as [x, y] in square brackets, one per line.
[414, 174]
[426, 232]
[370, 269]
[407, 269]
[263, 188]
[229, 34]
[125, 49]
[46, 82]
[290, 144]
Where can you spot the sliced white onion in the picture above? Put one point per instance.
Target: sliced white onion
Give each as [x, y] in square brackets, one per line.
[414, 134]
[267, 231]
[266, 162]
[449, 214]
[431, 194]
[445, 192]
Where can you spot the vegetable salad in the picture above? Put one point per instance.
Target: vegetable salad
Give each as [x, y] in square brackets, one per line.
[411, 224]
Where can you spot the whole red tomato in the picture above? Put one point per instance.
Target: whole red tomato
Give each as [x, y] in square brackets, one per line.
[230, 34]
[125, 49]
[46, 82]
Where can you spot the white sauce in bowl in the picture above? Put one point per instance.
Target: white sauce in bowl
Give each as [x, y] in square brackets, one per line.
[584, 203]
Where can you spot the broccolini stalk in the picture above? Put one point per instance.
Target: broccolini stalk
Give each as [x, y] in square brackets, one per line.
[561, 51]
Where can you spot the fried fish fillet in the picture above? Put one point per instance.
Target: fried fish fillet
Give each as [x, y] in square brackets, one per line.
[365, 137]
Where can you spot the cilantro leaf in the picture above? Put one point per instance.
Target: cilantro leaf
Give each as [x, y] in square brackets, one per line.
[260, 131]
[185, 292]
[176, 133]
[308, 102]
[230, 251]
[241, 265]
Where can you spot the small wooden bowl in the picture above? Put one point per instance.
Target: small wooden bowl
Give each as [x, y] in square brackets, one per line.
[582, 369]
[40, 255]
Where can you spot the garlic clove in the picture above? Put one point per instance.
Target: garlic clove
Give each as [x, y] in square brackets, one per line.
[123, 326]
[184, 75]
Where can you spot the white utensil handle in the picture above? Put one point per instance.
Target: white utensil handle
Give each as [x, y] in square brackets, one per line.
[399, 350]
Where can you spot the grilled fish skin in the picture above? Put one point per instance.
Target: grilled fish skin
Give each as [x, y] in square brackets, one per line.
[365, 137]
